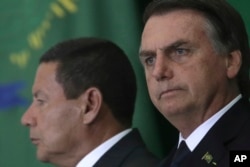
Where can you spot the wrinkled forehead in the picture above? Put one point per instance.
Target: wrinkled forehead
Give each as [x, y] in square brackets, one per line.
[174, 26]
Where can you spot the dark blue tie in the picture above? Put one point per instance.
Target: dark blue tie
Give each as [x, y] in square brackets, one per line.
[180, 154]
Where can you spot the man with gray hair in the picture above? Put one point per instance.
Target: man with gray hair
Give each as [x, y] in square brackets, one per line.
[196, 58]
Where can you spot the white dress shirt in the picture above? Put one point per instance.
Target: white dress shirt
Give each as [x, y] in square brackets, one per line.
[198, 134]
[91, 158]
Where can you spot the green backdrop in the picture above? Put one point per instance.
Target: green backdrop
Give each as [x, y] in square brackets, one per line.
[29, 27]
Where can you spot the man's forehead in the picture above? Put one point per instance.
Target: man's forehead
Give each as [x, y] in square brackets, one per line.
[45, 79]
[164, 31]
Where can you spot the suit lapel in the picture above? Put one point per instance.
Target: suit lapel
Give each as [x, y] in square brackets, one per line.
[167, 161]
[121, 150]
[214, 148]
[210, 152]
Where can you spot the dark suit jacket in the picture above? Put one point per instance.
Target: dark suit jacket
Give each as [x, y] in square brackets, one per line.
[130, 151]
[231, 132]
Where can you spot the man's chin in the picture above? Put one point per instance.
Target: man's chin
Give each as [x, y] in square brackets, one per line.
[171, 112]
[42, 156]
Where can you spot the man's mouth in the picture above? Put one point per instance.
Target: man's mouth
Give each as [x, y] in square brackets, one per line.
[34, 141]
[169, 92]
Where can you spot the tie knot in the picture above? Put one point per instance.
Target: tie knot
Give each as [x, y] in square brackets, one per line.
[183, 147]
[180, 154]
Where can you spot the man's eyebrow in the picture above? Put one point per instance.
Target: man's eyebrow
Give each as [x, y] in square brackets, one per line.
[146, 53]
[174, 45]
[38, 93]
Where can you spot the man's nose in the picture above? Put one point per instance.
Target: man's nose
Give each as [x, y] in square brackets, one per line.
[28, 119]
[162, 68]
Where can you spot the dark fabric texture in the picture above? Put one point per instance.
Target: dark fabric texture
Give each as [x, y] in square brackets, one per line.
[230, 133]
[180, 154]
[130, 151]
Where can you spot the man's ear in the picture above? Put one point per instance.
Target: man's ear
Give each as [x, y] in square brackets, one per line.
[234, 61]
[91, 101]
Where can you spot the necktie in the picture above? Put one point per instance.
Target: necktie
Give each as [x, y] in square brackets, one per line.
[180, 154]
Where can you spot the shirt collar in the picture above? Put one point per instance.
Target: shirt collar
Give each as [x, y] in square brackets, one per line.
[91, 158]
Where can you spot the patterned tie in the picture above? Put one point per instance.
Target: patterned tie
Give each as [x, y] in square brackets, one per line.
[180, 154]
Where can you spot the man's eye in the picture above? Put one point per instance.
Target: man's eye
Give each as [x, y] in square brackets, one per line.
[149, 61]
[180, 55]
[40, 102]
[181, 51]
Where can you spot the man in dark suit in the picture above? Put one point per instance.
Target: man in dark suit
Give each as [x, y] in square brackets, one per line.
[83, 103]
[196, 59]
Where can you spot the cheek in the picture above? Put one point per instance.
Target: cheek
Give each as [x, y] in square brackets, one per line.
[153, 91]
[150, 85]
[201, 78]
[55, 132]
[58, 127]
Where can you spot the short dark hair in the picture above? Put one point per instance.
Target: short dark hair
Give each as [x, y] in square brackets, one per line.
[92, 62]
[228, 29]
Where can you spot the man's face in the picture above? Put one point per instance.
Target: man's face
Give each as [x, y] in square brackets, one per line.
[183, 72]
[54, 122]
